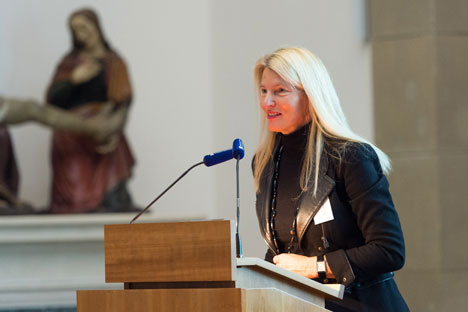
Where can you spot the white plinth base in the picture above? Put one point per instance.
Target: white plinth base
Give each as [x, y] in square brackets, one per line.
[44, 259]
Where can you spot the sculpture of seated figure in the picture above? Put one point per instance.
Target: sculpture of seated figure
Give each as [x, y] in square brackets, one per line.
[91, 78]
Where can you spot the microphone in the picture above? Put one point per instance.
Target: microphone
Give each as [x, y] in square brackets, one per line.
[238, 149]
[236, 152]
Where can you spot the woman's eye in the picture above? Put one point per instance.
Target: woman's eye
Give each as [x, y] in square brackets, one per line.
[281, 90]
[263, 91]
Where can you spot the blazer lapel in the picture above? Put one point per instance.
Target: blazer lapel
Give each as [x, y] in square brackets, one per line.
[310, 204]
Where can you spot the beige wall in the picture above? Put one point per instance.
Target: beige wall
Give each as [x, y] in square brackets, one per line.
[420, 71]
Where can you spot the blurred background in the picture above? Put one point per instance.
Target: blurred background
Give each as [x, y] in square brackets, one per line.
[398, 67]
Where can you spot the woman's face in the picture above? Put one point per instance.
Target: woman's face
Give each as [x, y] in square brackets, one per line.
[85, 31]
[285, 107]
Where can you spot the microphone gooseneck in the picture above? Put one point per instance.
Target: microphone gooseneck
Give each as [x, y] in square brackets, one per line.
[164, 192]
[236, 152]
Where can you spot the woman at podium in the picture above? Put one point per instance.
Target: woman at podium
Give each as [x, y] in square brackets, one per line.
[323, 201]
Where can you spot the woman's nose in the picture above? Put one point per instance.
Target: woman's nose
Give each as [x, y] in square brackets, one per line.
[268, 101]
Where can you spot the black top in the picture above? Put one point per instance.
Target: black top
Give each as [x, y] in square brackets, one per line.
[66, 95]
[289, 189]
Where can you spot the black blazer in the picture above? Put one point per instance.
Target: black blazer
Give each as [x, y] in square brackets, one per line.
[365, 241]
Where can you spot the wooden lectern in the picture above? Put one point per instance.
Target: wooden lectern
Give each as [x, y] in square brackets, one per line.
[191, 266]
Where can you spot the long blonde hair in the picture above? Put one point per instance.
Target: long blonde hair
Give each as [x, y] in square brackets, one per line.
[304, 70]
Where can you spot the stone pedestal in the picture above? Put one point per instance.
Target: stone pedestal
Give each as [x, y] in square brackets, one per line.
[420, 67]
[45, 259]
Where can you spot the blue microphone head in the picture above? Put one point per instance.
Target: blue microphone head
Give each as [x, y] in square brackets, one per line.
[217, 158]
[238, 149]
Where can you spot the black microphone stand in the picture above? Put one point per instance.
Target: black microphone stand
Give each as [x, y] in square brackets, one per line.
[238, 239]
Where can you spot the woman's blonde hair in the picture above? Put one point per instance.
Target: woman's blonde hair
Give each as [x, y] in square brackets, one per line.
[304, 70]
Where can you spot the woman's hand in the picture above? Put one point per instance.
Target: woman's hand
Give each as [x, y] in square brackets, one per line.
[305, 266]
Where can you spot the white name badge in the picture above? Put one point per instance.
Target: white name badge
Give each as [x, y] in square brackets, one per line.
[324, 214]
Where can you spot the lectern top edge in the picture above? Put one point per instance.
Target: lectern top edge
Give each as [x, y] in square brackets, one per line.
[334, 290]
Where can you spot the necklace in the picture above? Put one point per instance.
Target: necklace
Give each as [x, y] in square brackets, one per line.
[293, 231]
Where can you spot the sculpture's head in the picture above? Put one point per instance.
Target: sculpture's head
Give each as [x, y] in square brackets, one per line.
[86, 30]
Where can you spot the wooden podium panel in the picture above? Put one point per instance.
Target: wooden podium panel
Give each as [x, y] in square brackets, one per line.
[167, 300]
[170, 252]
[193, 300]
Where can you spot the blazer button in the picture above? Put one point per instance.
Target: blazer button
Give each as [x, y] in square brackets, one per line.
[320, 248]
[344, 279]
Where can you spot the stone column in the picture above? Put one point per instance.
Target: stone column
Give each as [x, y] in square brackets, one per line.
[420, 68]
